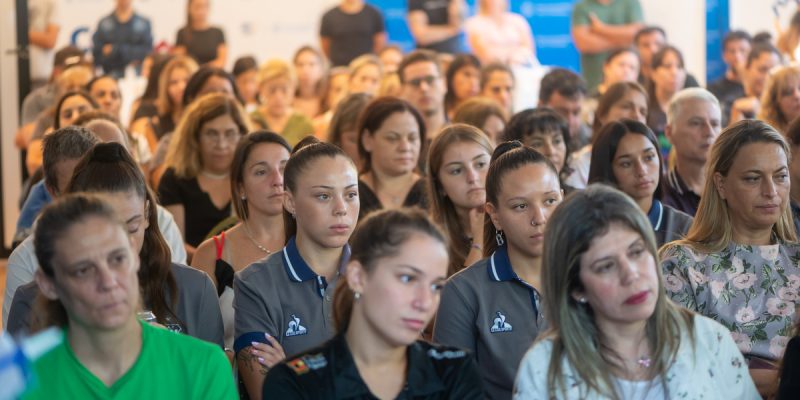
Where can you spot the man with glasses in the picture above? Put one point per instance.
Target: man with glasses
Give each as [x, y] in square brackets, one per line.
[424, 88]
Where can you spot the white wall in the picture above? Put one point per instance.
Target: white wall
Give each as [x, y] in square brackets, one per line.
[685, 23]
[9, 159]
[756, 16]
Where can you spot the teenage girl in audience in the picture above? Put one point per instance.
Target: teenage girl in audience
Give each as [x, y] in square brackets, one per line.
[198, 39]
[343, 130]
[88, 279]
[742, 247]
[277, 83]
[484, 114]
[667, 78]
[457, 163]
[391, 136]
[780, 103]
[180, 298]
[625, 155]
[463, 81]
[69, 107]
[497, 83]
[320, 213]
[621, 100]
[547, 132]
[365, 74]
[309, 97]
[494, 307]
[105, 92]
[613, 333]
[391, 291]
[196, 185]
[257, 195]
[169, 103]
[245, 74]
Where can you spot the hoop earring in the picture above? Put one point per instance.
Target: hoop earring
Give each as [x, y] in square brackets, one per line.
[499, 238]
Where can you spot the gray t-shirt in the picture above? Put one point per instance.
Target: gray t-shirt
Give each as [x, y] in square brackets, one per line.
[196, 307]
[488, 310]
[282, 296]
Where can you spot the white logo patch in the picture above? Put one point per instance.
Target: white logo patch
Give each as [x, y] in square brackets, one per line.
[500, 325]
[295, 329]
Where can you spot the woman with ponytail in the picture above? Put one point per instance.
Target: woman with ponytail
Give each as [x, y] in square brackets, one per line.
[180, 298]
[493, 308]
[283, 303]
[390, 293]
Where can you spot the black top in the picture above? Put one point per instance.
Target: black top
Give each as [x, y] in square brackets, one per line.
[726, 91]
[416, 197]
[200, 213]
[329, 372]
[201, 45]
[678, 196]
[790, 384]
[351, 35]
[437, 12]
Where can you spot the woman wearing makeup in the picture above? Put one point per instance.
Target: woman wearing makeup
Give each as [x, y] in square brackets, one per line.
[613, 332]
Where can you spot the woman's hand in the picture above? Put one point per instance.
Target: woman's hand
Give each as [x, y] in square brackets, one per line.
[476, 217]
[268, 354]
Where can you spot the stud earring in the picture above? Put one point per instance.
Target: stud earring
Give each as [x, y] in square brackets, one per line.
[357, 296]
[582, 300]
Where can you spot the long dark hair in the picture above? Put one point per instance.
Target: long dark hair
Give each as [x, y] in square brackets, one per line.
[108, 167]
[379, 235]
[307, 151]
[605, 148]
[459, 62]
[507, 157]
[57, 117]
[199, 79]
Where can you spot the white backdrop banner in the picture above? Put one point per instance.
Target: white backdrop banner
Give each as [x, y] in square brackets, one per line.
[262, 28]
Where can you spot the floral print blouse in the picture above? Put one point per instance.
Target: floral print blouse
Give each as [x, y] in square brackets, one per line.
[751, 290]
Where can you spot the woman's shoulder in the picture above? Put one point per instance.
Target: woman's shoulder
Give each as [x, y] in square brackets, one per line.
[471, 276]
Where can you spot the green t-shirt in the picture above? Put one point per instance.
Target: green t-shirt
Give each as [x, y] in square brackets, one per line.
[618, 12]
[297, 127]
[170, 366]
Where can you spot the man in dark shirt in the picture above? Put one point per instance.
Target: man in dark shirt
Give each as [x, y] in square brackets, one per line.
[351, 29]
[693, 124]
[437, 24]
[121, 39]
[735, 49]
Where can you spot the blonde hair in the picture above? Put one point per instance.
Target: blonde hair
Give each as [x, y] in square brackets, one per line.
[183, 155]
[163, 102]
[711, 230]
[274, 69]
[390, 85]
[442, 209]
[362, 61]
[770, 100]
[74, 78]
[575, 224]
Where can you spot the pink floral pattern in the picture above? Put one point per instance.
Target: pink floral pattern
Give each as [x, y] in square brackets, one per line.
[751, 290]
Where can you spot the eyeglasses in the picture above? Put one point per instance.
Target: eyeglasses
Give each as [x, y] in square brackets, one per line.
[230, 136]
[417, 83]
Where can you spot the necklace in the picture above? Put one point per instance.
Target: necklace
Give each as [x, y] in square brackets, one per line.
[212, 175]
[250, 236]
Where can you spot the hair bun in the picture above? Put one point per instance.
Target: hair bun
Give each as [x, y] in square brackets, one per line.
[504, 148]
[109, 152]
